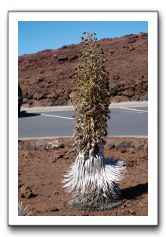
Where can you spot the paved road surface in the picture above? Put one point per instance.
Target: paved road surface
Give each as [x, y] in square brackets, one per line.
[124, 121]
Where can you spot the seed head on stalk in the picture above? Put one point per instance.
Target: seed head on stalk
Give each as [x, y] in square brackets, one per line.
[92, 100]
[92, 179]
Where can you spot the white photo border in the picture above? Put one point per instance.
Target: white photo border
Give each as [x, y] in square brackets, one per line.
[13, 18]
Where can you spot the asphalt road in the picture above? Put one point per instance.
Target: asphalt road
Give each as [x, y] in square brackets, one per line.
[124, 121]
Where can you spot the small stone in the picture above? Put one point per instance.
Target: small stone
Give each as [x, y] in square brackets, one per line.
[72, 95]
[20, 145]
[123, 150]
[146, 147]
[130, 163]
[123, 144]
[41, 79]
[59, 156]
[55, 210]
[71, 58]
[49, 96]
[143, 157]
[41, 144]
[27, 146]
[49, 82]
[111, 146]
[128, 202]
[130, 92]
[25, 100]
[30, 102]
[26, 192]
[132, 212]
[138, 146]
[66, 158]
[20, 184]
[62, 58]
[26, 154]
[131, 40]
[55, 144]
[125, 47]
[131, 49]
[61, 145]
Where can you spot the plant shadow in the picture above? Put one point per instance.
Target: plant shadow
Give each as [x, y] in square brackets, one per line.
[134, 192]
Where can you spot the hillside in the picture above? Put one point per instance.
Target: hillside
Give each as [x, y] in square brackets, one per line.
[46, 78]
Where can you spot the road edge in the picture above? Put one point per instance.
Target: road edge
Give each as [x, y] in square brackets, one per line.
[129, 104]
[63, 137]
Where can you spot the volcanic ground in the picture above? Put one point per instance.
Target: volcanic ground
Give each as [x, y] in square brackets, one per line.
[43, 163]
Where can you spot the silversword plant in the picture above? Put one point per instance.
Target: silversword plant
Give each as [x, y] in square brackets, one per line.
[92, 179]
[23, 210]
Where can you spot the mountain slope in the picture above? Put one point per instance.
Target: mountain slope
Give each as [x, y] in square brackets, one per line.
[46, 78]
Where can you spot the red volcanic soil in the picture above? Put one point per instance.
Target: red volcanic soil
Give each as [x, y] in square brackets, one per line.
[42, 166]
[46, 77]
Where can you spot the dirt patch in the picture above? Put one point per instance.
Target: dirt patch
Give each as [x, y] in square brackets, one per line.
[43, 163]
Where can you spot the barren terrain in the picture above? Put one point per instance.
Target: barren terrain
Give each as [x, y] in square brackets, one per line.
[43, 163]
[47, 77]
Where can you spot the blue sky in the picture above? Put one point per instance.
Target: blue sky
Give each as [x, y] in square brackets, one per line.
[36, 36]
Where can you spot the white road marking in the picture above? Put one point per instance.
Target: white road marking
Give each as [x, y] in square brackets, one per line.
[55, 116]
[122, 108]
[124, 111]
[143, 111]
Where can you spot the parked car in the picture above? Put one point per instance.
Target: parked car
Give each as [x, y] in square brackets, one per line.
[20, 99]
